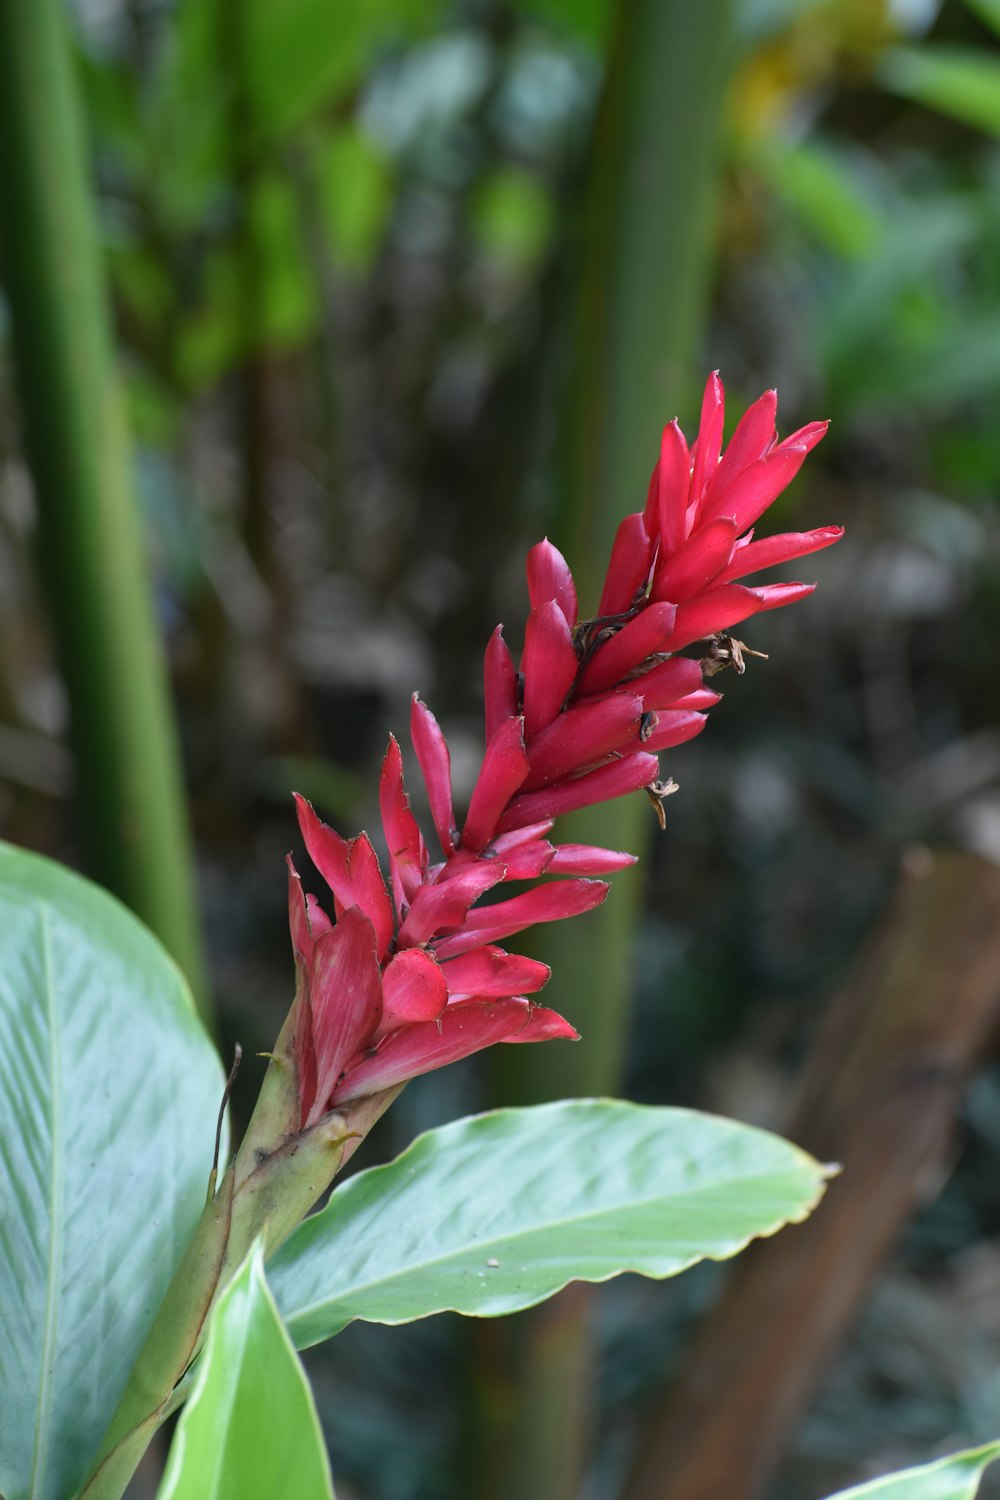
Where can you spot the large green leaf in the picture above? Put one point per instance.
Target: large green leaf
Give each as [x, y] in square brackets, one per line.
[109, 1090]
[496, 1213]
[953, 1478]
[249, 1428]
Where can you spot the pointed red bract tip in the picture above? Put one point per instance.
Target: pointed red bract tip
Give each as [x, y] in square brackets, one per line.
[753, 437]
[463, 1029]
[628, 570]
[586, 859]
[616, 779]
[327, 850]
[777, 595]
[696, 562]
[504, 768]
[717, 609]
[351, 870]
[544, 1025]
[807, 437]
[705, 453]
[661, 685]
[345, 993]
[700, 699]
[413, 989]
[627, 649]
[440, 907]
[369, 891]
[489, 971]
[548, 666]
[550, 580]
[298, 915]
[771, 551]
[673, 487]
[546, 903]
[674, 727]
[499, 683]
[583, 736]
[434, 761]
[407, 855]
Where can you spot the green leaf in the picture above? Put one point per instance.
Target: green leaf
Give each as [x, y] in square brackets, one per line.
[587, 21]
[957, 81]
[289, 305]
[249, 1427]
[354, 185]
[919, 245]
[109, 95]
[186, 133]
[109, 1090]
[513, 217]
[304, 54]
[954, 1478]
[498, 1212]
[210, 339]
[819, 185]
[988, 12]
[960, 361]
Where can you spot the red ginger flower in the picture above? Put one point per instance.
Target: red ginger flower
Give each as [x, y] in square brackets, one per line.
[406, 982]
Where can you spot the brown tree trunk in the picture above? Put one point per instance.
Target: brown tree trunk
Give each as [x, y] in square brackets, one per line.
[879, 1097]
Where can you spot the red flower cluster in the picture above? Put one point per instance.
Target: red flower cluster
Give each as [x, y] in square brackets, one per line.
[407, 982]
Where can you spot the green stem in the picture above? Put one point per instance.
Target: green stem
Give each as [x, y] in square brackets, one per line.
[130, 795]
[276, 1177]
[170, 1346]
[644, 281]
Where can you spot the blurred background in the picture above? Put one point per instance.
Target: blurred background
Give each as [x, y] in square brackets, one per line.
[389, 289]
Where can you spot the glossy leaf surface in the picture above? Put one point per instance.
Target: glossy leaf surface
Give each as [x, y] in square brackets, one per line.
[109, 1091]
[954, 1478]
[249, 1427]
[495, 1213]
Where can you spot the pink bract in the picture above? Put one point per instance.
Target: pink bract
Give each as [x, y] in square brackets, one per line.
[410, 977]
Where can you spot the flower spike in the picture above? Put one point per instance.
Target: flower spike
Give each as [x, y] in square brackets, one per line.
[411, 980]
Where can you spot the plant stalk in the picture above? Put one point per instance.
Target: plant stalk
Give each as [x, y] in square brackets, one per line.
[272, 1183]
[130, 799]
[643, 287]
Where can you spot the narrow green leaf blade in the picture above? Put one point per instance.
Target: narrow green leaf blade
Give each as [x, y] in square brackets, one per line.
[957, 81]
[109, 1090]
[249, 1427]
[954, 1478]
[988, 12]
[498, 1212]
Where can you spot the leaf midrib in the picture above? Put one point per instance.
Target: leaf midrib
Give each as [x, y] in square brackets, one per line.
[39, 1457]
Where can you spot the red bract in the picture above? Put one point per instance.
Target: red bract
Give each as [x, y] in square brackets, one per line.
[407, 982]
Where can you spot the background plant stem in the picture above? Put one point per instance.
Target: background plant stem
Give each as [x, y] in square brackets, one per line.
[644, 276]
[130, 797]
